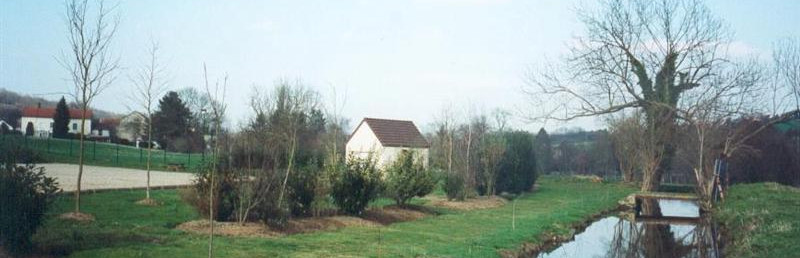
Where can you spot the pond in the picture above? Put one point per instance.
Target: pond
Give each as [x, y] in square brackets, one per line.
[664, 228]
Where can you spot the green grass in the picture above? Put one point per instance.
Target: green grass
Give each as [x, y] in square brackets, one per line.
[123, 229]
[762, 220]
[101, 153]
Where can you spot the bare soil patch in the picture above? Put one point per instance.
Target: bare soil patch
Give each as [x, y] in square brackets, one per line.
[477, 203]
[393, 214]
[77, 216]
[228, 228]
[370, 218]
[148, 202]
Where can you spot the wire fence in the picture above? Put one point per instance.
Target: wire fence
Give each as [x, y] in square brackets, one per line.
[105, 154]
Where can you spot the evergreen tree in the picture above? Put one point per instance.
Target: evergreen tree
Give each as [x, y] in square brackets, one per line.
[544, 152]
[171, 126]
[29, 129]
[61, 120]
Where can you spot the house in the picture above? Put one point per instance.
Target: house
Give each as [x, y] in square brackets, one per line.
[132, 127]
[384, 139]
[42, 120]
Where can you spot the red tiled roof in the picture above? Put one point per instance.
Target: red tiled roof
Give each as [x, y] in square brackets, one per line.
[49, 112]
[396, 133]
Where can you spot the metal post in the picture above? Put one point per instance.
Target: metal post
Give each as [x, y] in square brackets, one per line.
[94, 151]
[117, 154]
[140, 155]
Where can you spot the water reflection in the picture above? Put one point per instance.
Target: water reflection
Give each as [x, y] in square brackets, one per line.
[666, 228]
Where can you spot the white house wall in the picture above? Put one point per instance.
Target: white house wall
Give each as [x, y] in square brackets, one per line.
[363, 142]
[389, 154]
[43, 127]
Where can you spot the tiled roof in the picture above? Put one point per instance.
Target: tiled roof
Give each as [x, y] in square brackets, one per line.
[396, 133]
[49, 112]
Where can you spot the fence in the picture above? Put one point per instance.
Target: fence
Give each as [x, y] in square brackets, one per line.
[105, 154]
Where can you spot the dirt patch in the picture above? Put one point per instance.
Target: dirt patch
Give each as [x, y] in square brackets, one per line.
[478, 203]
[393, 214]
[593, 179]
[147, 202]
[228, 229]
[77, 216]
[306, 225]
[370, 218]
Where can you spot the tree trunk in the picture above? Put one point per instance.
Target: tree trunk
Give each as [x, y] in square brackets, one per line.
[149, 151]
[80, 161]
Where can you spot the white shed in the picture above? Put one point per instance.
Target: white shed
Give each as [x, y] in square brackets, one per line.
[384, 139]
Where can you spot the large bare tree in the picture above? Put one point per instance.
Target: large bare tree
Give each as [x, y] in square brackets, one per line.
[637, 55]
[89, 61]
[150, 83]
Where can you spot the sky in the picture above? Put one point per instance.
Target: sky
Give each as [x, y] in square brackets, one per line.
[387, 59]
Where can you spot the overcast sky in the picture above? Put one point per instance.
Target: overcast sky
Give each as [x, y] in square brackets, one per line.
[392, 59]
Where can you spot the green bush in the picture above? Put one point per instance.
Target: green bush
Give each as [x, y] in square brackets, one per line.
[454, 186]
[303, 183]
[356, 185]
[224, 192]
[407, 177]
[25, 195]
[517, 167]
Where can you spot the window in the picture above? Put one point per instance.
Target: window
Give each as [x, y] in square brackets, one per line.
[74, 126]
[51, 125]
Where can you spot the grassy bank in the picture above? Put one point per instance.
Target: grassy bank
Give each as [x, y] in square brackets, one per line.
[123, 229]
[762, 220]
[101, 153]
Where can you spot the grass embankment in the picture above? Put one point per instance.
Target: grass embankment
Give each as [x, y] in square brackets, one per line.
[101, 153]
[123, 229]
[762, 220]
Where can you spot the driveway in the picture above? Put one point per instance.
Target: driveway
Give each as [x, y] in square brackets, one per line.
[103, 178]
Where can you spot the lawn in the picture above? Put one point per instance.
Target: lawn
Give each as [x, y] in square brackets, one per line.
[101, 153]
[762, 220]
[123, 229]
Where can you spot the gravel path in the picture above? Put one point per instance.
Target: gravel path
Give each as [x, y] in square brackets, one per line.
[102, 178]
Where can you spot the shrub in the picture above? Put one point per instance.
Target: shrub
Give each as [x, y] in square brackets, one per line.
[25, 195]
[224, 192]
[517, 167]
[302, 185]
[407, 177]
[356, 185]
[454, 186]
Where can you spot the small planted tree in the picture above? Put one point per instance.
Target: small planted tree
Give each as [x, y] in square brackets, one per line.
[407, 177]
[356, 185]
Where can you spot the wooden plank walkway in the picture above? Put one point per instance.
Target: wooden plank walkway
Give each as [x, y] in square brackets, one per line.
[668, 196]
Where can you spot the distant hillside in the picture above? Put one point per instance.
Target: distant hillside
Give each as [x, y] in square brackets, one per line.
[11, 104]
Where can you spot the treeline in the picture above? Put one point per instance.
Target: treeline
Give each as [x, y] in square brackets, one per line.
[476, 158]
[288, 160]
[771, 155]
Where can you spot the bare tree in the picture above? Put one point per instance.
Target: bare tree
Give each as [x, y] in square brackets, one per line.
[637, 55]
[786, 58]
[89, 62]
[627, 134]
[738, 95]
[217, 95]
[287, 107]
[150, 83]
